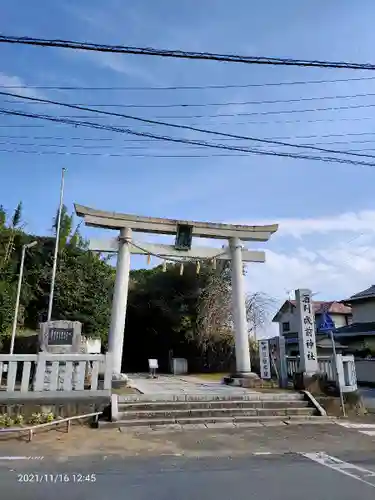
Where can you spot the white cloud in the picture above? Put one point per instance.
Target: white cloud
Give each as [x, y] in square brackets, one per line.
[334, 267]
[127, 67]
[8, 82]
[350, 222]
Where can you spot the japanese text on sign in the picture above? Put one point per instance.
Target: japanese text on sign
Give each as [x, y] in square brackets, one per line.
[307, 325]
[264, 358]
[307, 342]
[60, 336]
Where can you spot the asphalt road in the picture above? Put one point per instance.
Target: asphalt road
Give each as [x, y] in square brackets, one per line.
[266, 477]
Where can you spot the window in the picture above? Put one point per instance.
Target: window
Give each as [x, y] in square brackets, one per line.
[286, 327]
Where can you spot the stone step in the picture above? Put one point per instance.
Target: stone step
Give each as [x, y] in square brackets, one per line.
[207, 405]
[202, 422]
[215, 412]
[210, 396]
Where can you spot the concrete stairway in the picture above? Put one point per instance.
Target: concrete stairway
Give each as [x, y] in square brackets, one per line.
[140, 411]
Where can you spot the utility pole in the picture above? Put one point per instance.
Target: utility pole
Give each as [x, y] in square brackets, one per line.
[16, 307]
[54, 266]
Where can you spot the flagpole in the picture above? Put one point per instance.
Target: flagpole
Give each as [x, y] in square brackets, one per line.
[54, 266]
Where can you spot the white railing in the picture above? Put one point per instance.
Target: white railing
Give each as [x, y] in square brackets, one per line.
[325, 364]
[54, 372]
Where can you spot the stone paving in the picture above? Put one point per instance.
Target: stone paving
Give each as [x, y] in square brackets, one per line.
[175, 385]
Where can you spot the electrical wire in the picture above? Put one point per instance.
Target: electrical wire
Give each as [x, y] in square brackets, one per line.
[248, 122]
[221, 104]
[188, 141]
[105, 139]
[180, 126]
[183, 54]
[141, 147]
[231, 115]
[189, 87]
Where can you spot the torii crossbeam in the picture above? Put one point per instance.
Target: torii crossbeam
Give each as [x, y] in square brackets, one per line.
[124, 246]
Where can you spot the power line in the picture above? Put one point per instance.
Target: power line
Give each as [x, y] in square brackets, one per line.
[110, 139]
[225, 115]
[157, 155]
[188, 87]
[248, 122]
[109, 146]
[124, 130]
[182, 54]
[207, 104]
[178, 126]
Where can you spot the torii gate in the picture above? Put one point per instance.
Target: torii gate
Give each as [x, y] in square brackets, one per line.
[184, 231]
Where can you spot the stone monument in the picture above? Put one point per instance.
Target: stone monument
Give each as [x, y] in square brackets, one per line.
[60, 337]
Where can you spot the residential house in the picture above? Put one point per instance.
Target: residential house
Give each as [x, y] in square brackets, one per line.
[359, 335]
[287, 317]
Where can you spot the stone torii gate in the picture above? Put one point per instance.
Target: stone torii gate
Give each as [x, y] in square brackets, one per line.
[124, 246]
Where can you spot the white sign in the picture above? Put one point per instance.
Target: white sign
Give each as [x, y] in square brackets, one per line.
[153, 364]
[306, 332]
[93, 346]
[264, 358]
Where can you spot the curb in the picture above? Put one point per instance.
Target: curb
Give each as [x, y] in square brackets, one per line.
[315, 403]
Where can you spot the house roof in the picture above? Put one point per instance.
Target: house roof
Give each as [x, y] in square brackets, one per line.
[319, 306]
[327, 344]
[369, 293]
[355, 329]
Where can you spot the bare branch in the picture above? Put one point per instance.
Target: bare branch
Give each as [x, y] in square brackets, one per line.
[259, 307]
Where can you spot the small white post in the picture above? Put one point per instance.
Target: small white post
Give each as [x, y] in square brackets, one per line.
[120, 298]
[243, 365]
[336, 372]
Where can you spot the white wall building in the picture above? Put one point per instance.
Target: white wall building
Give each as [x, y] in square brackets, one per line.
[287, 318]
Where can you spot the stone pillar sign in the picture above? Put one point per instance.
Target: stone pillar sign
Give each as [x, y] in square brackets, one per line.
[306, 333]
[264, 359]
[60, 337]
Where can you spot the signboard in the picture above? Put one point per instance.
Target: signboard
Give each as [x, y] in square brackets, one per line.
[60, 336]
[306, 332]
[326, 324]
[184, 237]
[153, 364]
[93, 346]
[264, 358]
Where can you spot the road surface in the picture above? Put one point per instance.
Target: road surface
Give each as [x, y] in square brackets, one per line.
[287, 476]
[264, 462]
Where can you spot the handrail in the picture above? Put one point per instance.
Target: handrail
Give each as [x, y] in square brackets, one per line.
[32, 428]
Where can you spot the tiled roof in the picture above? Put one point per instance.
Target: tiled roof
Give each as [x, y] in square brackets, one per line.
[327, 344]
[321, 306]
[368, 293]
[356, 328]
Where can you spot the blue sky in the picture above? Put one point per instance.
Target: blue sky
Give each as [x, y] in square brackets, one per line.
[326, 211]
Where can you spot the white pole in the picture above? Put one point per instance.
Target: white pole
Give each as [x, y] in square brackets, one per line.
[120, 298]
[243, 364]
[16, 307]
[337, 373]
[54, 266]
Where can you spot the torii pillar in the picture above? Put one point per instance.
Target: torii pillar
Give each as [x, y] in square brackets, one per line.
[124, 246]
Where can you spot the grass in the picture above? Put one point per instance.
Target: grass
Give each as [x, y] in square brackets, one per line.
[125, 390]
[215, 377]
[265, 387]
